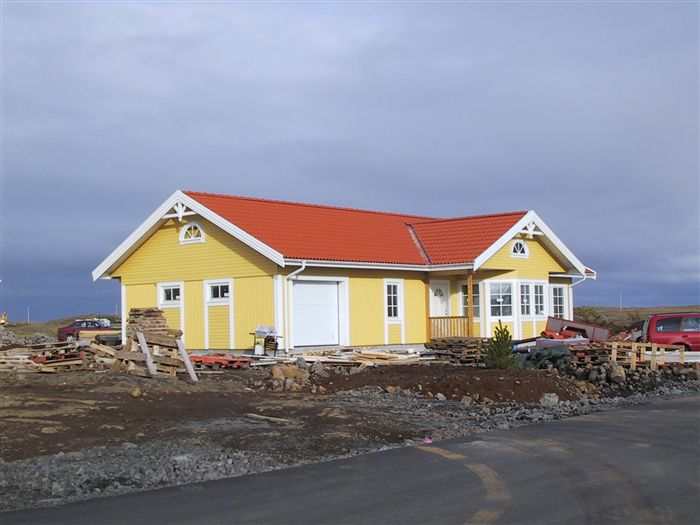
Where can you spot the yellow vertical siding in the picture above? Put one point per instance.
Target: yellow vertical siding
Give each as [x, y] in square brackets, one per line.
[394, 334]
[253, 306]
[219, 327]
[194, 314]
[172, 317]
[366, 297]
[141, 296]
[414, 311]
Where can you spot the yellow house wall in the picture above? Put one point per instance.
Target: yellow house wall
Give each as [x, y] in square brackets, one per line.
[162, 258]
[253, 306]
[141, 296]
[537, 266]
[394, 333]
[366, 298]
[194, 314]
[219, 327]
[172, 317]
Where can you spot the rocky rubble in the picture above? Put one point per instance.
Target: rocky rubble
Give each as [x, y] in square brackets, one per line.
[8, 337]
[59, 478]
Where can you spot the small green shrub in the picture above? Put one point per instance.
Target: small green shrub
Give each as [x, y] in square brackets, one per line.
[499, 350]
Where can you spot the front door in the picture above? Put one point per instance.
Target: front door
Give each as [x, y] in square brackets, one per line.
[439, 298]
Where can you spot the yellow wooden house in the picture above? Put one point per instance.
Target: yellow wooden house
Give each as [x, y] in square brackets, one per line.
[219, 266]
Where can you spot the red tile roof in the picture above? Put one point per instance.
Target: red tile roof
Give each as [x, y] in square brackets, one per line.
[316, 232]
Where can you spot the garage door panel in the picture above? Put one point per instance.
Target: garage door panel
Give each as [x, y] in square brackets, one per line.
[315, 313]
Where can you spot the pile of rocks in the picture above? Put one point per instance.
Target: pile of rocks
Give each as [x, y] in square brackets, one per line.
[8, 337]
[295, 378]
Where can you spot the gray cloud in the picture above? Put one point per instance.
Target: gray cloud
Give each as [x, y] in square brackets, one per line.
[587, 113]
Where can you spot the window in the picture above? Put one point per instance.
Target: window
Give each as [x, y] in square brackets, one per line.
[539, 299]
[669, 324]
[477, 302]
[501, 300]
[519, 249]
[191, 233]
[169, 295]
[558, 302]
[392, 300]
[691, 324]
[219, 293]
[525, 307]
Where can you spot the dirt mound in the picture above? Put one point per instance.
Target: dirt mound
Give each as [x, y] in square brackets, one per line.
[521, 386]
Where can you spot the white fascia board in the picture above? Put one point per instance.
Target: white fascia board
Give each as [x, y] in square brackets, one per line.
[530, 216]
[378, 266]
[128, 244]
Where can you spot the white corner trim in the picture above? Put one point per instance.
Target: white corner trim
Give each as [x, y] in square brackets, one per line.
[178, 197]
[529, 217]
[124, 314]
[278, 304]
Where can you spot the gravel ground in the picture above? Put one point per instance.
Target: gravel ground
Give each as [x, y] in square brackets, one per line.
[107, 470]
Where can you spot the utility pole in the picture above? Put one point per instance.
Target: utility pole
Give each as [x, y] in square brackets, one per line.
[27, 315]
[620, 300]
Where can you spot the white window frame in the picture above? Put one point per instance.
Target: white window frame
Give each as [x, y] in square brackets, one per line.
[162, 303]
[400, 320]
[477, 284]
[533, 302]
[564, 300]
[195, 240]
[526, 249]
[226, 301]
[218, 300]
[513, 300]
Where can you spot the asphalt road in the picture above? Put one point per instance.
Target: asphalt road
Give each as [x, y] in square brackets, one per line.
[633, 465]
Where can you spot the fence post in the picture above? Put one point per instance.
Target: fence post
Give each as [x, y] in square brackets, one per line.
[653, 356]
[633, 357]
[613, 354]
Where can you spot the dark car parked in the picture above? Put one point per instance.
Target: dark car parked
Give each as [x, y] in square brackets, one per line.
[70, 332]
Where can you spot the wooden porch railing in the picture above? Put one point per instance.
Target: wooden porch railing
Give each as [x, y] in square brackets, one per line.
[451, 326]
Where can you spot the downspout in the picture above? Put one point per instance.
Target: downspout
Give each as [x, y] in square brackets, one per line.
[286, 303]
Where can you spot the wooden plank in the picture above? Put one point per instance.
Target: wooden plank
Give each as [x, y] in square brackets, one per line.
[160, 340]
[267, 418]
[186, 358]
[149, 359]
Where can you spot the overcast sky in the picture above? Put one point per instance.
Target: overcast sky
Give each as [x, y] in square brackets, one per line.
[585, 112]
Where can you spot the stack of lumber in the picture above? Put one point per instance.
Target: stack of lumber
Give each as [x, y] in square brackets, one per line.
[46, 358]
[593, 354]
[466, 350]
[151, 320]
[376, 358]
[218, 360]
[149, 354]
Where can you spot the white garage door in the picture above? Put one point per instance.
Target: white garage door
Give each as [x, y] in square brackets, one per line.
[315, 316]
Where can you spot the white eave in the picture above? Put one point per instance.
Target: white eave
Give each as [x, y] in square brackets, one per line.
[177, 206]
[379, 266]
[529, 224]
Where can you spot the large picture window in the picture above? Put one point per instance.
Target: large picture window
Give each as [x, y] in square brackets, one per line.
[465, 301]
[501, 300]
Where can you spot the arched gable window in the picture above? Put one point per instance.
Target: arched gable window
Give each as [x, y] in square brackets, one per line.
[191, 233]
[519, 249]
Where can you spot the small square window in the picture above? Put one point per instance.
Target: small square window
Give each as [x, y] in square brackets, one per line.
[170, 295]
[219, 292]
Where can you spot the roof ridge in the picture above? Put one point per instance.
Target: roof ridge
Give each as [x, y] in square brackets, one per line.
[467, 217]
[311, 205]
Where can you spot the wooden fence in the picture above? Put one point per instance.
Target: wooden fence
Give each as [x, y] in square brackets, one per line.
[452, 326]
[646, 354]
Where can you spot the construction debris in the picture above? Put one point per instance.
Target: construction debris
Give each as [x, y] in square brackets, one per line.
[150, 320]
[46, 358]
[165, 357]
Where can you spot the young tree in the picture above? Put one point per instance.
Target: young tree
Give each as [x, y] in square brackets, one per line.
[499, 350]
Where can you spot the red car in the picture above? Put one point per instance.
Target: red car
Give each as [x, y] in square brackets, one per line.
[674, 329]
[70, 332]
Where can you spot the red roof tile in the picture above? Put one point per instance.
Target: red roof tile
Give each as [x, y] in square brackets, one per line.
[311, 231]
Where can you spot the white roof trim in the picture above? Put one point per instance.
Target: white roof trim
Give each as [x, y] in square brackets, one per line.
[379, 266]
[178, 197]
[529, 217]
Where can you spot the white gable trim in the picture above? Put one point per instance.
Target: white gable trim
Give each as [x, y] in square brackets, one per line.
[177, 200]
[526, 223]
